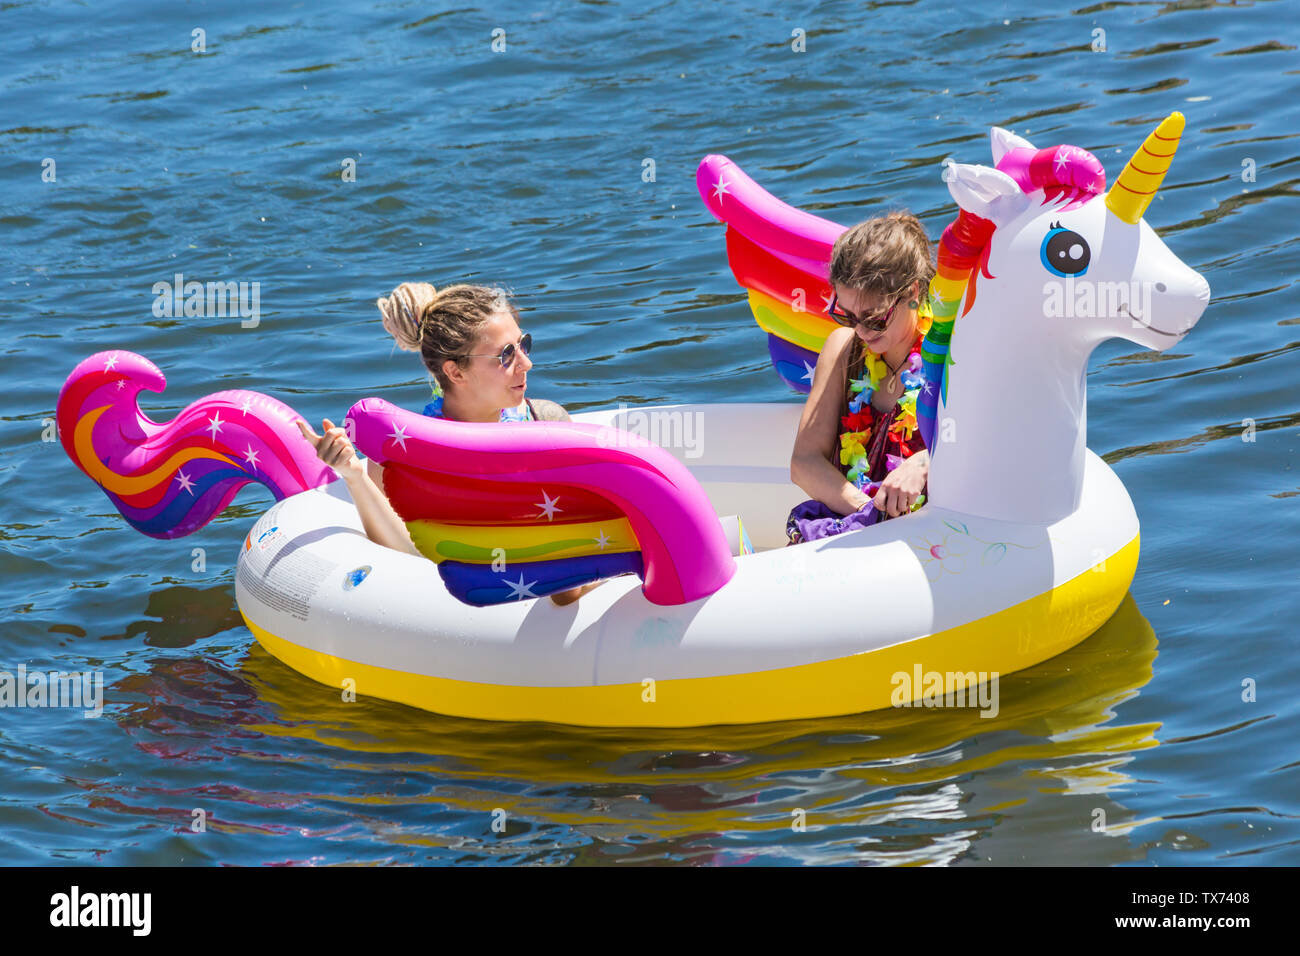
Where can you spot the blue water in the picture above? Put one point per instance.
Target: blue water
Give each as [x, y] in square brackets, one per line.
[525, 167]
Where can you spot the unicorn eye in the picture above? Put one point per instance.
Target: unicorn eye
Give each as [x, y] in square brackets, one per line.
[1065, 253]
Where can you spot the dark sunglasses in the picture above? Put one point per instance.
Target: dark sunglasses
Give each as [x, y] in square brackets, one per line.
[507, 354]
[870, 323]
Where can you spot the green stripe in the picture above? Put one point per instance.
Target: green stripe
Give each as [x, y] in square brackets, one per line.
[769, 321]
[459, 551]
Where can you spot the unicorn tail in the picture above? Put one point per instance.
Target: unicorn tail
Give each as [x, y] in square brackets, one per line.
[170, 479]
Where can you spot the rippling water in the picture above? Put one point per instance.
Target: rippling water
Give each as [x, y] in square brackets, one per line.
[526, 167]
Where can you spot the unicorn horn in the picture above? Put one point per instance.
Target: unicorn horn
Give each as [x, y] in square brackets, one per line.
[1137, 184]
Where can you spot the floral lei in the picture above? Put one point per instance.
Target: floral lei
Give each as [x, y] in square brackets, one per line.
[859, 422]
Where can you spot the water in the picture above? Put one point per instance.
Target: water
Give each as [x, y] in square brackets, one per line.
[526, 167]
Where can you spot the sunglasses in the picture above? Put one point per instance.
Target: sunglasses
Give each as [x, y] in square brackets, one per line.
[869, 323]
[508, 354]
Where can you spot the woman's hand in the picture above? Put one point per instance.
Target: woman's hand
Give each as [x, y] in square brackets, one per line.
[334, 449]
[383, 525]
[898, 491]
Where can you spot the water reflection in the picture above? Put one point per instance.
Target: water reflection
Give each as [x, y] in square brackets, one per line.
[183, 615]
[846, 789]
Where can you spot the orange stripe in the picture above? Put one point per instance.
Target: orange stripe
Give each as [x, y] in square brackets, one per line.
[130, 485]
[1161, 155]
[1135, 192]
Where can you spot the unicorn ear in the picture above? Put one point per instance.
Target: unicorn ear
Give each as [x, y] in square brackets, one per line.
[986, 192]
[1004, 141]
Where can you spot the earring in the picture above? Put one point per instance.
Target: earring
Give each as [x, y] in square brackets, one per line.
[913, 304]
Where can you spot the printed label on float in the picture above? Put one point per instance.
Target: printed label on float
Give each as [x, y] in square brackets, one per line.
[280, 575]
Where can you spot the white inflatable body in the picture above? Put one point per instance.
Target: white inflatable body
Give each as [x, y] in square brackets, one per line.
[1027, 544]
[820, 628]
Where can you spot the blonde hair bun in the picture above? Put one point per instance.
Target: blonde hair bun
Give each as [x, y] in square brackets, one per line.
[401, 311]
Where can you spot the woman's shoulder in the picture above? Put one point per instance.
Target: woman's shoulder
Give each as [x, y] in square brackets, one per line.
[833, 361]
[548, 411]
[837, 345]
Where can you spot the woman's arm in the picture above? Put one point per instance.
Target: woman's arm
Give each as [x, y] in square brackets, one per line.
[819, 427]
[383, 525]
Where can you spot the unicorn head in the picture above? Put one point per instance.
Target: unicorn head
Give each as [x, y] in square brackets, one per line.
[1041, 265]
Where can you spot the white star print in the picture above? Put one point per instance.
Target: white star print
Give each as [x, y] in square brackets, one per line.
[520, 590]
[246, 405]
[602, 541]
[826, 302]
[121, 384]
[547, 504]
[251, 456]
[720, 189]
[808, 371]
[398, 434]
[111, 362]
[214, 425]
[186, 484]
[936, 298]
[1062, 158]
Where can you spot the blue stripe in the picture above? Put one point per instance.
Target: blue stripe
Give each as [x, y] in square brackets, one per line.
[480, 585]
[788, 360]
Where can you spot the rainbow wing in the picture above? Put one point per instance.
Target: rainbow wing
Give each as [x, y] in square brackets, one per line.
[782, 256]
[511, 512]
[170, 479]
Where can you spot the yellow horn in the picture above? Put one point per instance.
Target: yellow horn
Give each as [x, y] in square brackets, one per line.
[1137, 184]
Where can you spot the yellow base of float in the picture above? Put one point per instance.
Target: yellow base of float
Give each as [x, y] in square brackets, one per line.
[615, 660]
[1011, 640]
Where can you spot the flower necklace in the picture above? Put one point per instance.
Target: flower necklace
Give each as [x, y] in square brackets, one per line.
[859, 424]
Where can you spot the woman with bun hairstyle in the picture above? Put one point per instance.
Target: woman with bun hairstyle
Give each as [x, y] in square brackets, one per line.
[469, 339]
[452, 329]
[859, 422]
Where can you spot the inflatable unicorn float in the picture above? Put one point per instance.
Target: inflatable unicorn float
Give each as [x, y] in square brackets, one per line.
[994, 573]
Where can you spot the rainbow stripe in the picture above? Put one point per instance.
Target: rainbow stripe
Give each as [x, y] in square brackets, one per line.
[781, 255]
[510, 513]
[962, 251]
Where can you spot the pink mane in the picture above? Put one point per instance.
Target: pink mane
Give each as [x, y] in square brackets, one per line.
[1066, 174]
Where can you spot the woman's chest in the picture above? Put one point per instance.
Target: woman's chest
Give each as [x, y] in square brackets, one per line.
[884, 398]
